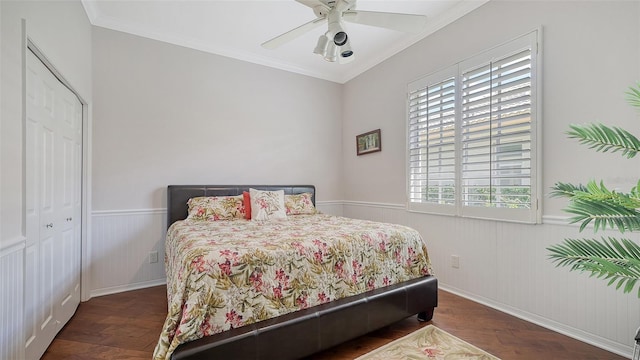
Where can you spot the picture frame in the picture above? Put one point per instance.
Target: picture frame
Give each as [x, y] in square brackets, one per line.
[368, 142]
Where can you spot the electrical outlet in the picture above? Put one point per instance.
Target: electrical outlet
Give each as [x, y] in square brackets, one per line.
[455, 261]
[153, 257]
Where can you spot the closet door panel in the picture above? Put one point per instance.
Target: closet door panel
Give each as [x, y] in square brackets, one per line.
[53, 206]
[70, 119]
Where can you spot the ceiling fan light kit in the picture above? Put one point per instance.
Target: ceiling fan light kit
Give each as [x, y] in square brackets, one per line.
[335, 44]
[321, 46]
[331, 52]
[345, 50]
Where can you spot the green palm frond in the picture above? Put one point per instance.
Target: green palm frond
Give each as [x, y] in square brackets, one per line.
[603, 214]
[592, 191]
[595, 203]
[633, 96]
[610, 258]
[566, 189]
[603, 138]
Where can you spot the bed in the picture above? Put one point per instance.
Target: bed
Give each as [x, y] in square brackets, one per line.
[256, 300]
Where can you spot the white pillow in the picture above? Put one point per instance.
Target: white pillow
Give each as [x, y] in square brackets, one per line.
[267, 205]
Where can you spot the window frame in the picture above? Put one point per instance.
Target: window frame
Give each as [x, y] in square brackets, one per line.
[531, 215]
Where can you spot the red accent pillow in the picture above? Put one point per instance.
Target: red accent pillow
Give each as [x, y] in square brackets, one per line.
[247, 205]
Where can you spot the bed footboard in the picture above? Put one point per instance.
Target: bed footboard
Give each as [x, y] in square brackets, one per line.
[305, 332]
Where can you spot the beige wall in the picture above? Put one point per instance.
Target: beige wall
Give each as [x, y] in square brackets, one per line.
[165, 114]
[590, 58]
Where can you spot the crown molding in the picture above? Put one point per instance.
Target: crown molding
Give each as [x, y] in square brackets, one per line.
[461, 9]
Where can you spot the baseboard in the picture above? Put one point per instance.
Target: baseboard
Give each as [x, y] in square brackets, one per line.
[128, 287]
[569, 331]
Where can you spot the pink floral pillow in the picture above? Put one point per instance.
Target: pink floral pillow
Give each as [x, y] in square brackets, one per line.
[215, 208]
[299, 204]
[267, 205]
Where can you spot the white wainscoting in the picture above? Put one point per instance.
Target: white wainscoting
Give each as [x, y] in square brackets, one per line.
[122, 240]
[12, 300]
[120, 245]
[505, 266]
[330, 207]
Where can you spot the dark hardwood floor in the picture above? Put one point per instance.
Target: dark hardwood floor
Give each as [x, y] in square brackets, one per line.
[127, 326]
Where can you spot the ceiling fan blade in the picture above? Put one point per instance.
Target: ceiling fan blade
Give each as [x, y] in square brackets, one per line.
[292, 34]
[402, 22]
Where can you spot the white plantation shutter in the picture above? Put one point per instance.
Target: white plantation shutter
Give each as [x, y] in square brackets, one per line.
[431, 138]
[472, 136]
[496, 133]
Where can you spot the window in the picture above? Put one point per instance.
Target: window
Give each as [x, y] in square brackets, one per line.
[472, 144]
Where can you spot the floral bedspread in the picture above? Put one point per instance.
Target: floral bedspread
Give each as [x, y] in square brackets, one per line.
[226, 274]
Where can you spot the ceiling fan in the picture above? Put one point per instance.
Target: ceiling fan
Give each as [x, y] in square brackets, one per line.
[334, 44]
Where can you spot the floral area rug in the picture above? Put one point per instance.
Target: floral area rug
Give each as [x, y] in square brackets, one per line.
[428, 342]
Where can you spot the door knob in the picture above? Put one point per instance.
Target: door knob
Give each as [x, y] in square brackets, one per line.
[69, 219]
[49, 225]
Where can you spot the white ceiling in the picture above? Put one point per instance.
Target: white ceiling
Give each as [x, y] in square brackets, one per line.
[237, 28]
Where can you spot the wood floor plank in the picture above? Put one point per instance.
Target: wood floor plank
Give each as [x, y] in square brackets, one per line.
[65, 349]
[127, 326]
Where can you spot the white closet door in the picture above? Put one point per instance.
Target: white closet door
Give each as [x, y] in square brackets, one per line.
[70, 126]
[53, 178]
[40, 323]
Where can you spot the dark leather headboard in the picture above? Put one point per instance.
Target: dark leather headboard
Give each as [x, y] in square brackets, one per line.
[178, 195]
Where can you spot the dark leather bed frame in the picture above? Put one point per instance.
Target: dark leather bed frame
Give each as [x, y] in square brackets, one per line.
[302, 333]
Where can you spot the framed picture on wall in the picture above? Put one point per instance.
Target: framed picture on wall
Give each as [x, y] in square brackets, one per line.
[368, 142]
